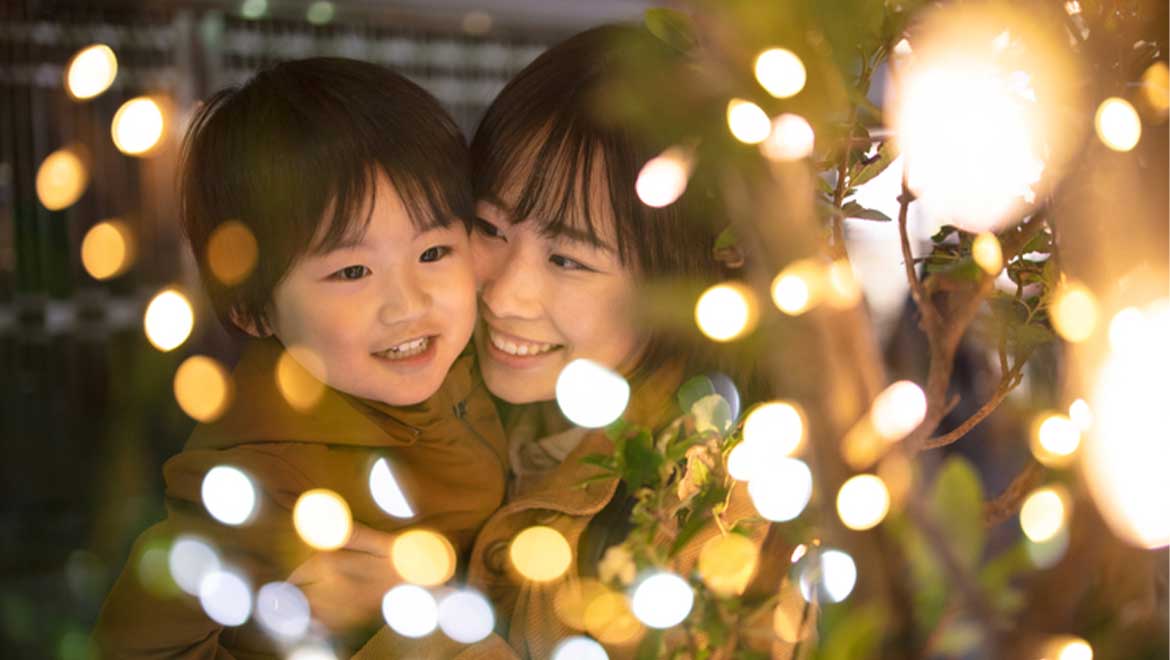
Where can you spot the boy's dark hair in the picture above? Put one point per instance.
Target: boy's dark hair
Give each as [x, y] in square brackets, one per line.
[294, 155]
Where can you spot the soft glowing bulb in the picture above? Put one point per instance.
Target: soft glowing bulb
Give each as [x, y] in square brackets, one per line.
[726, 311]
[1075, 649]
[322, 519]
[780, 72]
[283, 610]
[591, 395]
[91, 71]
[1126, 329]
[465, 616]
[137, 126]
[898, 410]
[790, 293]
[747, 121]
[1043, 514]
[842, 289]
[1156, 88]
[774, 427]
[832, 575]
[791, 138]
[320, 12]
[902, 48]
[232, 252]
[1118, 124]
[579, 647]
[423, 557]
[202, 388]
[608, 618]
[987, 253]
[741, 462]
[107, 250]
[410, 611]
[61, 179]
[863, 502]
[228, 495]
[169, 320]
[295, 377]
[727, 563]
[387, 494]
[1081, 414]
[1056, 441]
[540, 554]
[1073, 312]
[782, 490]
[190, 560]
[226, 598]
[663, 179]
[662, 600]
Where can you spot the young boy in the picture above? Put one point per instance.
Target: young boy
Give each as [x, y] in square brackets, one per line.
[353, 183]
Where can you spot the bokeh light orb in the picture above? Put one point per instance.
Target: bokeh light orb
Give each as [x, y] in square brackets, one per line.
[898, 410]
[138, 126]
[1073, 311]
[727, 311]
[410, 611]
[792, 138]
[591, 395]
[663, 179]
[232, 252]
[1056, 440]
[662, 600]
[283, 610]
[169, 320]
[863, 502]
[228, 495]
[540, 553]
[775, 427]
[387, 493]
[466, 616]
[107, 250]
[831, 574]
[1118, 125]
[423, 557]
[987, 253]
[202, 388]
[579, 647]
[780, 72]
[190, 560]
[226, 598]
[61, 179]
[322, 519]
[727, 563]
[91, 71]
[747, 121]
[298, 377]
[1044, 513]
[782, 491]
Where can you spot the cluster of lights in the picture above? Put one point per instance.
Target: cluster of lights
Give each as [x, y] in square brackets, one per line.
[894, 414]
[787, 137]
[780, 486]
[591, 395]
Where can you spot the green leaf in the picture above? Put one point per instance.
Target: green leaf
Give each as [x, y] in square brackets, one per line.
[956, 503]
[640, 463]
[726, 239]
[855, 633]
[693, 390]
[944, 232]
[676, 451]
[712, 413]
[604, 461]
[886, 154]
[699, 517]
[651, 647]
[855, 210]
[673, 27]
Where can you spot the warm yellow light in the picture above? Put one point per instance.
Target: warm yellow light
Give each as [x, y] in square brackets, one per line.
[863, 502]
[781, 72]
[423, 557]
[1156, 88]
[842, 290]
[573, 598]
[727, 563]
[987, 253]
[540, 554]
[1074, 649]
[295, 377]
[898, 410]
[107, 249]
[792, 138]
[1073, 312]
[1055, 440]
[202, 388]
[609, 618]
[61, 179]
[792, 620]
[726, 311]
[790, 293]
[322, 519]
[1118, 124]
[902, 48]
[1081, 414]
[91, 71]
[1126, 328]
[137, 126]
[231, 252]
[169, 320]
[747, 121]
[776, 428]
[1043, 514]
[663, 179]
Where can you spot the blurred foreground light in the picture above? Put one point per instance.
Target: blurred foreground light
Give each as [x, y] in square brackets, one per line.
[1126, 454]
[190, 560]
[987, 253]
[662, 600]
[1044, 513]
[1048, 553]
[226, 598]
[727, 311]
[1073, 311]
[1156, 89]
[591, 395]
[572, 599]
[466, 616]
[202, 388]
[608, 618]
[791, 138]
[663, 179]
[61, 179]
[283, 610]
[727, 563]
[153, 571]
[579, 647]
[423, 557]
[842, 291]
[311, 652]
[903, 48]
[253, 9]
[776, 427]
[1071, 648]
[747, 121]
[1126, 328]
[792, 292]
[780, 72]
[91, 71]
[386, 492]
[322, 519]
[863, 502]
[137, 126]
[298, 378]
[540, 554]
[410, 610]
[320, 12]
[169, 320]
[1056, 441]
[1118, 124]
[791, 620]
[831, 574]
[232, 252]
[781, 490]
[1081, 414]
[228, 495]
[898, 410]
[107, 250]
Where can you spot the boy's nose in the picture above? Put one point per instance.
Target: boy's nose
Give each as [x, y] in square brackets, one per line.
[403, 301]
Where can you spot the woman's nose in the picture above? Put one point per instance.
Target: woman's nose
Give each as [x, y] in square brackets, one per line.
[510, 286]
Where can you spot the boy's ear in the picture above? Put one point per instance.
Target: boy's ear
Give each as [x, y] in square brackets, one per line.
[248, 325]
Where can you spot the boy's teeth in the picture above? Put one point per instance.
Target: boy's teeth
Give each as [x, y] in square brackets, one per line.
[522, 348]
[406, 349]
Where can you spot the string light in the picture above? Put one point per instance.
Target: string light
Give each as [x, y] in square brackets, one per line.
[410, 611]
[91, 71]
[386, 491]
[987, 253]
[322, 519]
[863, 502]
[747, 121]
[283, 610]
[169, 320]
[898, 410]
[423, 557]
[579, 648]
[591, 395]
[663, 179]
[107, 250]
[662, 600]
[831, 574]
[61, 179]
[1073, 311]
[540, 554]
[228, 495]
[780, 72]
[137, 126]
[1126, 329]
[842, 290]
[1043, 514]
[226, 598]
[1056, 440]
[202, 388]
[727, 563]
[791, 293]
[775, 427]
[784, 491]
[608, 617]
[726, 312]
[1081, 414]
[190, 560]
[1118, 125]
[791, 138]
[465, 616]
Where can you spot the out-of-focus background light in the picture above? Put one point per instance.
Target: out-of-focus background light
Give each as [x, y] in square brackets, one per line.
[108, 249]
[190, 560]
[1073, 311]
[296, 380]
[1081, 414]
[410, 610]
[1056, 440]
[1044, 513]
[780, 72]
[465, 616]
[987, 253]
[663, 179]
[776, 427]
[1156, 89]
[579, 647]
[863, 502]
[226, 598]
[540, 554]
[202, 388]
[1118, 124]
[283, 610]
[727, 311]
[423, 557]
[662, 600]
[747, 121]
[322, 519]
[783, 491]
[61, 179]
[829, 575]
[386, 491]
[169, 320]
[232, 252]
[791, 138]
[253, 9]
[591, 395]
[228, 495]
[320, 12]
[138, 126]
[91, 71]
[898, 410]
[609, 618]
[727, 562]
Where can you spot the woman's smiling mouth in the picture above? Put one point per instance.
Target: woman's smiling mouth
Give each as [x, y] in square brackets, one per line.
[518, 347]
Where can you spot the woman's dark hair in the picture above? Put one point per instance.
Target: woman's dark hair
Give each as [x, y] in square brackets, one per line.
[553, 129]
[294, 155]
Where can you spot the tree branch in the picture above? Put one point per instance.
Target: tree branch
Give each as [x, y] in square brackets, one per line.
[1006, 384]
[1006, 504]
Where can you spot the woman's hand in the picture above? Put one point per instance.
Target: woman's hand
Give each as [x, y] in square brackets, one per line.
[345, 586]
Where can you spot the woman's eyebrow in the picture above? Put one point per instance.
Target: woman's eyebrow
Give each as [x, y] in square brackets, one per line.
[579, 236]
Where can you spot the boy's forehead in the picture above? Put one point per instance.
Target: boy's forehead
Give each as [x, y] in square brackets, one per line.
[380, 210]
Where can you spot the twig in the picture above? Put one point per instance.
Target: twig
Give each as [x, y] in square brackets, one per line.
[1006, 504]
[1006, 385]
[929, 317]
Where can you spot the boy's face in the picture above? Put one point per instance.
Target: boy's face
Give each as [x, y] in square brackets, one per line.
[386, 316]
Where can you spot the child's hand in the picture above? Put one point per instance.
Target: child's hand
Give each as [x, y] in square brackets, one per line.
[345, 586]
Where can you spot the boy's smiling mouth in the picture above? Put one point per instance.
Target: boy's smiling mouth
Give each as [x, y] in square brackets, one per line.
[407, 349]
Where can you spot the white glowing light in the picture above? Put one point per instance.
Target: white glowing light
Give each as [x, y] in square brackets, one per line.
[410, 610]
[747, 121]
[898, 410]
[1043, 514]
[1127, 329]
[322, 519]
[387, 494]
[774, 427]
[662, 600]
[311, 653]
[741, 462]
[169, 320]
[791, 138]
[790, 293]
[283, 610]
[228, 495]
[591, 395]
[726, 311]
[902, 48]
[833, 576]
[663, 179]
[579, 648]
[1081, 414]
[137, 126]
[190, 560]
[226, 598]
[91, 71]
[1118, 124]
[781, 490]
[780, 72]
[863, 502]
[466, 617]
[1075, 649]
[1059, 438]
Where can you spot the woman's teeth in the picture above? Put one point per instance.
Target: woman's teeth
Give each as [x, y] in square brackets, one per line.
[519, 348]
[406, 349]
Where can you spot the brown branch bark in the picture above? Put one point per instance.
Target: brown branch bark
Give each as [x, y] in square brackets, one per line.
[1006, 504]
[1007, 383]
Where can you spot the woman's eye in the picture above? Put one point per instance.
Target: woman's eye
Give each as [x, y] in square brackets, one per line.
[434, 253]
[565, 263]
[488, 229]
[350, 273]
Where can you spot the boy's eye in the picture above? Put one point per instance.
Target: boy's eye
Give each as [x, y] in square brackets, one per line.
[565, 263]
[350, 273]
[488, 229]
[434, 253]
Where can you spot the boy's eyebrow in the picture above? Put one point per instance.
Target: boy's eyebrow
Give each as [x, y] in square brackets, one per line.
[565, 232]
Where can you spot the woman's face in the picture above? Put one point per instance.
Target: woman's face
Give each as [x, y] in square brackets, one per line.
[547, 300]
